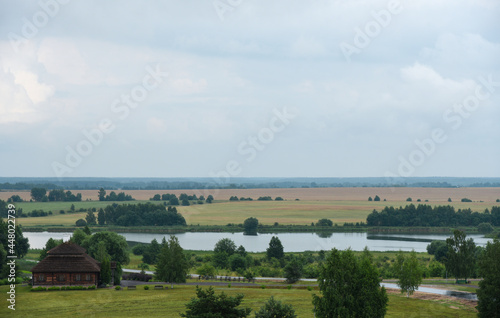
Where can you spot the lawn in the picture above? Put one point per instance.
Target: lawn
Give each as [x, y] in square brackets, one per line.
[169, 303]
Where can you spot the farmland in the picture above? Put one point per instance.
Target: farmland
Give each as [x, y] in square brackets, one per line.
[338, 204]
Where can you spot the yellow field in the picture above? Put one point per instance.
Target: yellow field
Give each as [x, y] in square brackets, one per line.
[267, 212]
[434, 195]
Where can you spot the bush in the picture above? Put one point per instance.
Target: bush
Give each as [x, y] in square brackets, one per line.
[54, 288]
[91, 287]
[263, 286]
[324, 222]
[146, 287]
[118, 288]
[466, 200]
[39, 288]
[278, 199]
[377, 198]
[370, 199]
[80, 222]
[275, 308]
[408, 199]
[485, 228]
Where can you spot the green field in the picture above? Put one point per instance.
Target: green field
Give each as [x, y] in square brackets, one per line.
[222, 213]
[169, 303]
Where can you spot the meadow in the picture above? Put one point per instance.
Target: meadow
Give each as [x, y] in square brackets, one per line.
[302, 212]
[169, 303]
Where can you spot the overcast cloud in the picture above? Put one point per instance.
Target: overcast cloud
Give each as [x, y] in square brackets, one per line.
[254, 88]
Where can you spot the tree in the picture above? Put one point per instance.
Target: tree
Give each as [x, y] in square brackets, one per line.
[209, 305]
[350, 287]
[275, 309]
[21, 245]
[172, 264]
[438, 249]
[152, 252]
[225, 245]
[80, 222]
[324, 222]
[293, 270]
[116, 246]
[370, 199]
[250, 225]
[206, 270]
[460, 258]
[72, 208]
[275, 248]
[101, 194]
[209, 199]
[38, 194]
[377, 198]
[101, 218]
[78, 237]
[408, 272]
[90, 218]
[489, 288]
[485, 228]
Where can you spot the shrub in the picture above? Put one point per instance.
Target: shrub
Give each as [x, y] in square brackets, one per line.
[228, 285]
[263, 286]
[289, 287]
[370, 199]
[54, 288]
[377, 198]
[466, 200]
[408, 199]
[80, 222]
[39, 288]
[91, 287]
[118, 288]
[309, 288]
[146, 287]
[485, 228]
[278, 199]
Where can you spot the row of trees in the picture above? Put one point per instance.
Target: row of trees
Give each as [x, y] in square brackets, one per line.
[426, 215]
[184, 199]
[112, 196]
[40, 195]
[141, 214]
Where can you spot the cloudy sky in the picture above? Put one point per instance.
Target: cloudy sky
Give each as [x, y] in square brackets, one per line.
[249, 88]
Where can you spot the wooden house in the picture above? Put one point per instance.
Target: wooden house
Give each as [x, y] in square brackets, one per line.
[66, 265]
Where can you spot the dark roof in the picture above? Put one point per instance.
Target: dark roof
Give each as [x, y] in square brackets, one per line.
[67, 258]
[67, 248]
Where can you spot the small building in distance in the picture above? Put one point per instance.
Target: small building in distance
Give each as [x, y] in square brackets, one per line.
[66, 265]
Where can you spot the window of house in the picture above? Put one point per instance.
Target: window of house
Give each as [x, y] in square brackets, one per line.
[61, 277]
[88, 277]
[42, 278]
[78, 277]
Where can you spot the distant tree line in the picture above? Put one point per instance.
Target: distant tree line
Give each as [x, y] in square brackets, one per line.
[183, 199]
[142, 214]
[426, 215]
[113, 196]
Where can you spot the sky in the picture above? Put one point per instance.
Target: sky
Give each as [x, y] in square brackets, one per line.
[239, 88]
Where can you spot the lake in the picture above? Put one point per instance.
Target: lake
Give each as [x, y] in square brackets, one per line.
[292, 242]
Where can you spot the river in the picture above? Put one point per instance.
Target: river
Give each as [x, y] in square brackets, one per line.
[292, 242]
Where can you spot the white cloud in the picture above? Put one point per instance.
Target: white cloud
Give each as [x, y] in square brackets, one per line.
[422, 73]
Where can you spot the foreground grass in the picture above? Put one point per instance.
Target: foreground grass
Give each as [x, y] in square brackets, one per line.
[169, 303]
